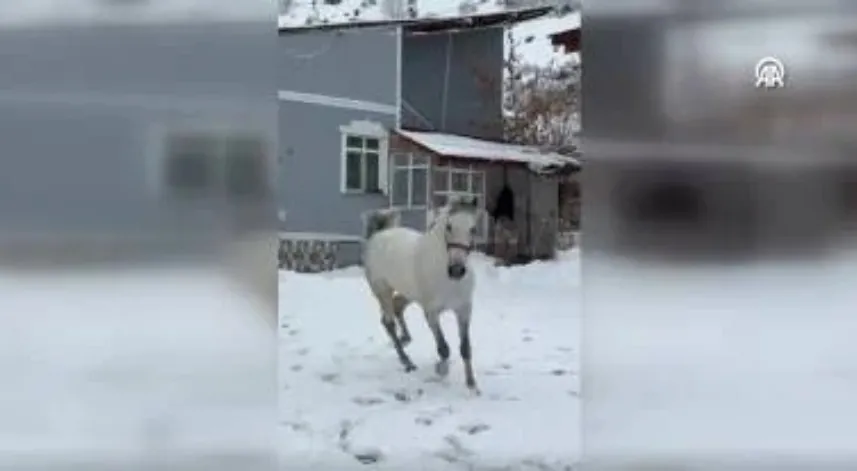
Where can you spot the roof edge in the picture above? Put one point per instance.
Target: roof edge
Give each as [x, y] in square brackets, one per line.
[431, 23]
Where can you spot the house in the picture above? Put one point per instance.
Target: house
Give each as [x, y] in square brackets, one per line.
[147, 131]
[395, 113]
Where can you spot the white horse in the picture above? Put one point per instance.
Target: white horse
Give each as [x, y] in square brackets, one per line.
[431, 269]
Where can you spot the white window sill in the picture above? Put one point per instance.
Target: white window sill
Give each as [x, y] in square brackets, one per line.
[361, 192]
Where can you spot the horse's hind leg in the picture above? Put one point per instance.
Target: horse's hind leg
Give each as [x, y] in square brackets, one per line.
[388, 320]
[463, 316]
[399, 305]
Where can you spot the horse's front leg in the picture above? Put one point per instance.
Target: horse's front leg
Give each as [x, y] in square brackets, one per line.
[463, 315]
[433, 319]
[388, 320]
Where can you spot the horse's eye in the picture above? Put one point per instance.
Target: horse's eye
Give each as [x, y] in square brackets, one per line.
[449, 228]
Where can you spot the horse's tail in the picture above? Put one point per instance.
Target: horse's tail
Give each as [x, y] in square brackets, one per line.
[377, 221]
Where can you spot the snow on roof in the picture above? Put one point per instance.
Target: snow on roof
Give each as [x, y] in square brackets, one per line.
[307, 13]
[52, 12]
[534, 41]
[451, 145]
[311, 13]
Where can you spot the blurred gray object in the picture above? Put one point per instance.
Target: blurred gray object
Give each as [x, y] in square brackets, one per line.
[700, 162]
[134, 138]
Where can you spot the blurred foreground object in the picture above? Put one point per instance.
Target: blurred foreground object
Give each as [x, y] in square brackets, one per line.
[740, 356]
[139, 149]
[686, 157]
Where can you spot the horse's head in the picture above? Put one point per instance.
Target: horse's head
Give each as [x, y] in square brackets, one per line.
[460, 219]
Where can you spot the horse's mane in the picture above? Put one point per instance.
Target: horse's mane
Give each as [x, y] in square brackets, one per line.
[454, 205]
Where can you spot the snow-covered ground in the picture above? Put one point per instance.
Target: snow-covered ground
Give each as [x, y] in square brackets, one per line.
[111, 368]
[753, 365]
[344, 394]
[729, 367]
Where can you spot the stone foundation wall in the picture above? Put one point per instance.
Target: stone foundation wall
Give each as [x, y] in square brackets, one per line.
[307, 256]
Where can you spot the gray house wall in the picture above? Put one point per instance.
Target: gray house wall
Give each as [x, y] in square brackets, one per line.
[356, 65]
[310, 169]
[82, 111]
[360, 64]
[469, 108]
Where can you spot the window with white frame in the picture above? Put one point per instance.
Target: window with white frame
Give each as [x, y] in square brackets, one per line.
[465, 180]
[364, 158]
[215, 164]
[460, 180]
[409, 187]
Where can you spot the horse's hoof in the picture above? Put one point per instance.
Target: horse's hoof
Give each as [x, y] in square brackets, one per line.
[410, 367]
[442, 368]
[404, 341]
[474, 390]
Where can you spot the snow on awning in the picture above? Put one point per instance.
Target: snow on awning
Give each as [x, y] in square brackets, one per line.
[462, 147]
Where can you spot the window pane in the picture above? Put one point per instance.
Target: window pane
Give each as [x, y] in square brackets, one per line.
[400, 188]
[188, 172]
[440, 181]
[420, 159]
[190, 163]
[481, 229]
[420, 187]
[476, 180]
[353, 171]
[439, 200]
[354, 142]
[372, 169]
[372, 144]
[401, 160]
[459, 181]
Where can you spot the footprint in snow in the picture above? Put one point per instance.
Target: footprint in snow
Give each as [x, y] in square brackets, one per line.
[332, 378]
[455, 446]
[343, 439]
[295, 426]
[474, 429]
[368, 455]
[454, 451]
[402, 395]
[367, 401]
[503, 398]
[424, 421]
